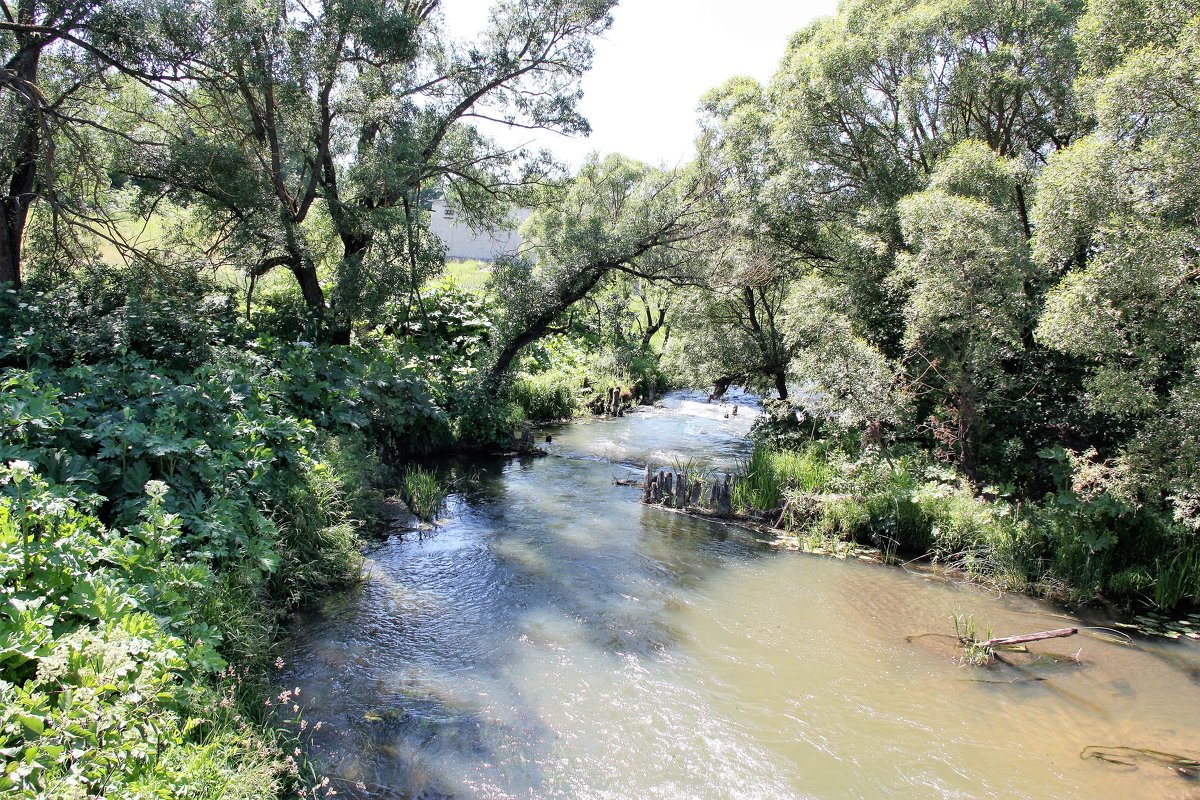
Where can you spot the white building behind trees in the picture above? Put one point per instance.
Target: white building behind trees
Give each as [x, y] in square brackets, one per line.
[463, 243]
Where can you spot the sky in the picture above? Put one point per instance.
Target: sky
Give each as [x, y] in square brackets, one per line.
[654, 64]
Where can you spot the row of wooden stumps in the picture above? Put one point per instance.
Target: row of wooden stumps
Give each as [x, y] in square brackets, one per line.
[680, 490]
[613, 402]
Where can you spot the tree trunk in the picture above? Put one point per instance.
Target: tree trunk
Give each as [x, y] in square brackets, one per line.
[10, 245]
[505, 358]
[781, 384]
[27, 147]
[310, 286]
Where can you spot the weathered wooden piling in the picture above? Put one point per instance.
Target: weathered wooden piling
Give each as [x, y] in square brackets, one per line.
[680, 490]
[725, 505]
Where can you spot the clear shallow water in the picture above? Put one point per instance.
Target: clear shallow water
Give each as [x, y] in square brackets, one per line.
[555, 639]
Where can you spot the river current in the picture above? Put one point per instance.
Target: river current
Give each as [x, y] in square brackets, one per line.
[555, 639]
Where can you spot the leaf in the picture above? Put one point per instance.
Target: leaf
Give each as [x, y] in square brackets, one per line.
[35, 725]
[134, 479]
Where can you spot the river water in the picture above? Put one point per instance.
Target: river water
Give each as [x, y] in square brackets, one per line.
[555, 639]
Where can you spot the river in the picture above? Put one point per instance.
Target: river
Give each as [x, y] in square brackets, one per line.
[556, 639]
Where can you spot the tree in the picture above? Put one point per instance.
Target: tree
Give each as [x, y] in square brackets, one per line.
[60, 58]
[735, 333]
[615, 216]
[843, 377]
[1116, 217]
[866, 103]
[315, 128]
[965, 278]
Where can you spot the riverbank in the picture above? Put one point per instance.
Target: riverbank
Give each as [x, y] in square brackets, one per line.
[826, 496]
[174, 484]
[817, 488]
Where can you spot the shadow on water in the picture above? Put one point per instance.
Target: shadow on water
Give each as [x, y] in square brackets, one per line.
[418, 674]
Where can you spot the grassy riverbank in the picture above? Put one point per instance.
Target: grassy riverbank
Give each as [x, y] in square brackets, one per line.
[1075, 544]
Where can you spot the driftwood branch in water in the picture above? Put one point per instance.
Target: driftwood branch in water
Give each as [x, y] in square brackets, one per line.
[1029, 637]
[1183, 765]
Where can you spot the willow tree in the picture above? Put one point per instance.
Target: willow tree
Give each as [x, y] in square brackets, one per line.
[614, 217]
[61, 62]
[965, 278]
[866, 103]
[1117, 216]
[840, 170]
[734, 332]
[315, 128]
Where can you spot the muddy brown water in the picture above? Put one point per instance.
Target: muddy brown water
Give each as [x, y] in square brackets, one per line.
[555, 639]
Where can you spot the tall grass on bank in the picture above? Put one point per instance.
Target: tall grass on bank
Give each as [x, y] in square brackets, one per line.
[1065, 547]
[769, 473]
[547, 396]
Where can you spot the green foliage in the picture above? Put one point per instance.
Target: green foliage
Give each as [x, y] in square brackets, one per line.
[172, 488]
[1079, 543]
[769, 474]
[614, 216]
[547, 396]
[843, 518]
[108, 665]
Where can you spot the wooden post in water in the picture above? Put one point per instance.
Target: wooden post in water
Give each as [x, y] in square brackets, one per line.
[646, 486]
[726, 502]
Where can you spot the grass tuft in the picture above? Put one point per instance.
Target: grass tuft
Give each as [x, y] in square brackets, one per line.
[423, 492]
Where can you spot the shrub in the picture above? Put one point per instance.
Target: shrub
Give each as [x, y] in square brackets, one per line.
[547, 396]
[844, 518]
[106, 654]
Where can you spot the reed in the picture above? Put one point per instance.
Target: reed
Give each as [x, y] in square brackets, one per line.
[423, 492]
[976, 653]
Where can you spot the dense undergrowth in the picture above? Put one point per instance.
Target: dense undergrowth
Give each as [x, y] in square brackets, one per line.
[1073, 545]
[173, 481]
[567, 376]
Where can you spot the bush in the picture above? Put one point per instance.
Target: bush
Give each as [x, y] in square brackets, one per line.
[107, 661]
[548, 396]
[169, 489]
[844, 518]
[1069, 547]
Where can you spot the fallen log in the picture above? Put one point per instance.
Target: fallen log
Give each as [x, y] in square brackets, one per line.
[1029, 637]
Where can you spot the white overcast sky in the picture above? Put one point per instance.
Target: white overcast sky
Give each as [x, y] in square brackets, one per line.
[656, 61]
